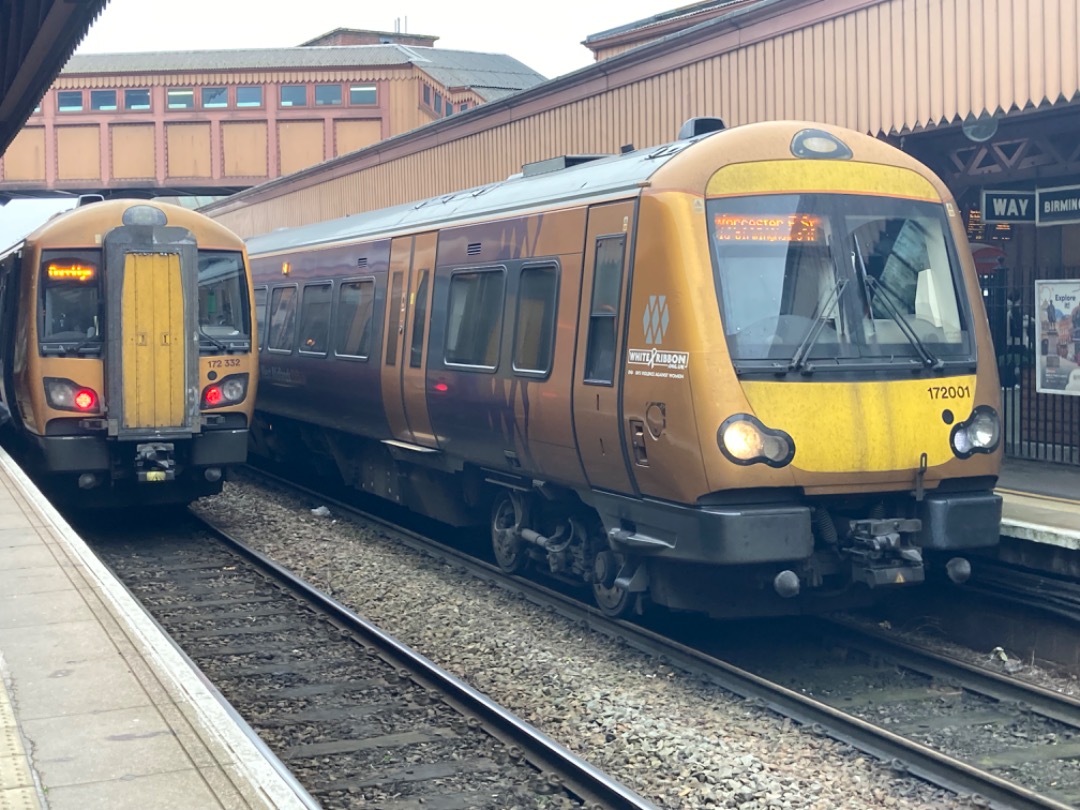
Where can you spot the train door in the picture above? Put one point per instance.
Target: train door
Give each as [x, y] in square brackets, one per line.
[394, 337]
[597, 374]
[414, 359]
[152, 335]
[9, 299]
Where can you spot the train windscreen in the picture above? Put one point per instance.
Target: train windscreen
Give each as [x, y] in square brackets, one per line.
[224, 316]
[70, 318]
[837, 281]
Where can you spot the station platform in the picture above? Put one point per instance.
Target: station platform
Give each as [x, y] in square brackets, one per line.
[98, 708]
[1041, 502]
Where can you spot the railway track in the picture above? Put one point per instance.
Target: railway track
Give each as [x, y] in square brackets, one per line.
[359, 719]
[998, 740]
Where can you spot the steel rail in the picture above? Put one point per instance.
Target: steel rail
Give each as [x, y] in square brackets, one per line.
[580, 777]
[902, 754]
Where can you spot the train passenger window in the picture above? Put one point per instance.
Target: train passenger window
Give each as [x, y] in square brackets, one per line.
[249, 96]
[70, 300]
[180, 98]
[416, 349]
[327, 95]
[293, 95]
[282, 317]
[363, 94]
[224, 319]
[215, 97]
[604, 312]
[315, 318]
[137, 99]
[474, 319]
[356, 302]
[534, 330]
[261, 294]
[69, 101]
[104, 100]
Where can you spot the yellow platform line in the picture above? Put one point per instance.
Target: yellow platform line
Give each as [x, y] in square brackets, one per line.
[1038, 495]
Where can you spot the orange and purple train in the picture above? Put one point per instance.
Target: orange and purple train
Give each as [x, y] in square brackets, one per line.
[126, 353]
[746, 372]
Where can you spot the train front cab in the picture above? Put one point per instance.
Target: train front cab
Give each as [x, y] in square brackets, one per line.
[130, 396]
[817, 456]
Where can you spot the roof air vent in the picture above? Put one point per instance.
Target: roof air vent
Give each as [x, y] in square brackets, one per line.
[474, 249]
[557, 164]
[699, 126]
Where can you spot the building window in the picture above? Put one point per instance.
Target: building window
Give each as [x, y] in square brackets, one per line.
[293, 95]
[181, 98]
[215, 97]
[427, 95]
[315, 319]
[449, 108]
[69, 100]
[356, 304]
[438, 103]
[363, 94]
[463, 106]
[474, 318]
[534, 331]
[327, 95]
[604, 314]
[249, 96]
[37, 109]
[104, 100]
[136, 99]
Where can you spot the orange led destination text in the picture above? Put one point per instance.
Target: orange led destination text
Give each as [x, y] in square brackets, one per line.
[79, 272]
[782, 228]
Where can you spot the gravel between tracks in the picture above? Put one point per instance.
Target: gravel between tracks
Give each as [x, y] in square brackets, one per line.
[677, 741]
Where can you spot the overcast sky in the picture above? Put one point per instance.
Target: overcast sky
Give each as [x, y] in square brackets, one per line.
[545, 36]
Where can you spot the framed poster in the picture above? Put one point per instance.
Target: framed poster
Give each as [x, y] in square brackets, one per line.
[1057, 344]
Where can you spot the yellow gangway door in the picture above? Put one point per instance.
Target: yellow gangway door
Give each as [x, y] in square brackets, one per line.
[153, 341]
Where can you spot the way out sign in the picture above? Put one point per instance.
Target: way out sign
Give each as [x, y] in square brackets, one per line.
[1008, 206]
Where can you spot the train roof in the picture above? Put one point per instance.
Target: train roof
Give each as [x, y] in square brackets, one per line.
[558, 180]
[587, 178]
[84, 225]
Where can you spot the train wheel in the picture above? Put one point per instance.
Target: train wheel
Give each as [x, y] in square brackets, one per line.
[506, 516]
[612, 600]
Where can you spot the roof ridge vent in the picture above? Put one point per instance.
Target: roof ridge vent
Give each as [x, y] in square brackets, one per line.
[557, 164]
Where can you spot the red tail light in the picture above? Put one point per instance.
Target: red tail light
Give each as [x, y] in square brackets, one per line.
[212, 395]
[85, 400]
[442, 387]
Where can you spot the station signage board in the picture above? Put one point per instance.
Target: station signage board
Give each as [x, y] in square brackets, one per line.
[1008, 206]
[1058, 206]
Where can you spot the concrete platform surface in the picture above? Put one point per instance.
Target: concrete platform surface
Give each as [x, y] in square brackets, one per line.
[98, 708]
[1041, 502]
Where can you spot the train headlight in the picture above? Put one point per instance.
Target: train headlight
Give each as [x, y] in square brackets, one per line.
[67, 395]
[744, 440]
[229, 391]
[979, 433]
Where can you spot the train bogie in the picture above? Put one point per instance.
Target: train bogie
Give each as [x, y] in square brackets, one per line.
[746, 372]
[126, 353]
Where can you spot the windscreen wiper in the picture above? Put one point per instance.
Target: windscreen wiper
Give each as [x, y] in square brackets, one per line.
[888, 298]
[808, 341]
[217, 344]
